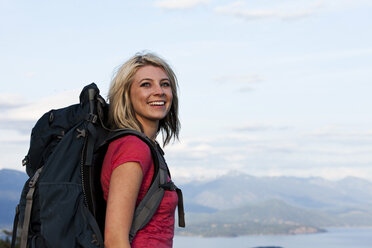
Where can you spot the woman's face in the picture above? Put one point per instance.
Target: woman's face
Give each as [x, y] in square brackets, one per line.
[151, 95]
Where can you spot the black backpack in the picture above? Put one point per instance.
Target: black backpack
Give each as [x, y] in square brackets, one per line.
[62, 202]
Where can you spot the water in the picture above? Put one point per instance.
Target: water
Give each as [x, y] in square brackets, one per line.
[334, 238]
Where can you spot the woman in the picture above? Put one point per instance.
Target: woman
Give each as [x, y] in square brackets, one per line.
[143, 97]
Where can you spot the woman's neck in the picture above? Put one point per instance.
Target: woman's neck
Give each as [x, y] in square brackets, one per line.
[150, 128]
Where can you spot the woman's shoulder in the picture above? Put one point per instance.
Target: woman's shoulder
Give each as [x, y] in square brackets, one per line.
[129, 141]
[129, 147]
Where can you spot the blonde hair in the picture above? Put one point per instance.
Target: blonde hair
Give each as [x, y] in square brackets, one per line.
[121, 112]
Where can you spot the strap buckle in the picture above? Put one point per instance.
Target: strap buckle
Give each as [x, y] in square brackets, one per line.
[168, 186]
[92, 118]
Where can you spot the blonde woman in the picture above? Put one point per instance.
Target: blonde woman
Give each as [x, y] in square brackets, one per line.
[142, 97]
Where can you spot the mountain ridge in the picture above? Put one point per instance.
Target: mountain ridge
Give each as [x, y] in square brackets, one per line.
[232, 191]
[11, 184]
[241, 204]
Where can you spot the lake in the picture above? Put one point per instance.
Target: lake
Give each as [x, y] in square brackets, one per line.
[334, 238]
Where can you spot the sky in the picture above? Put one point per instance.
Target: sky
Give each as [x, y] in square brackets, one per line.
[266, 87]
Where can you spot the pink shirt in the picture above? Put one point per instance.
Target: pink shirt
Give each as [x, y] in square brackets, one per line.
[160, 229]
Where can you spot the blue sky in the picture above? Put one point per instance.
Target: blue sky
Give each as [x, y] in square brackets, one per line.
[267, 87]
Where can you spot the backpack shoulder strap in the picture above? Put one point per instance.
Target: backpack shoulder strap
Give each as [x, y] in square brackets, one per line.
[150, 203]
[118, 133]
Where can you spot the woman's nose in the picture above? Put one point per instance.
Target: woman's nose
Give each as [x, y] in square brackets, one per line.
[158, 90]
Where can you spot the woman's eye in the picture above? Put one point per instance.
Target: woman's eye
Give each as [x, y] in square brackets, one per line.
[145, 84]
[165, 84]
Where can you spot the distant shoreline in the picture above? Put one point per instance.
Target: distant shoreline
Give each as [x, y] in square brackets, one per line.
[342, 237]
[192, 231]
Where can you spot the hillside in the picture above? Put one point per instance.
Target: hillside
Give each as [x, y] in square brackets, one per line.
[238, 189]
[11, 184]
[269, 217]
[245, 205]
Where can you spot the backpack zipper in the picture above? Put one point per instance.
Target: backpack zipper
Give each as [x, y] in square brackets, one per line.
[82, 171]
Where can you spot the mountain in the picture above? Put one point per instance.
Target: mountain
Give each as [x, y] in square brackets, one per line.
[276, 205]
[11, 184]
[269, 217]
[234, 190]
[240, 204]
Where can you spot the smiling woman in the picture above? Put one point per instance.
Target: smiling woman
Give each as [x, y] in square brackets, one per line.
[143, 97]
[151, 97]
[143, 70]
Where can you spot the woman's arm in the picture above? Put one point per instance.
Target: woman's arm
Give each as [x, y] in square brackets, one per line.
[125, 183]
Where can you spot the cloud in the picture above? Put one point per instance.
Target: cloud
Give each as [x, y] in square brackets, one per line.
[20, 115]
[239, 79]
[10, 101]
[30, 74]
[323, 172]
[341, 5]
[341, 135]
[254, 127]
[286, 10]
[265, 149]
[180, 4]
[283, 10]
[10, 137]
[329, 56]
[257, 148]
[244, 82]
[13, 148]
[22, 126]
[25, 110]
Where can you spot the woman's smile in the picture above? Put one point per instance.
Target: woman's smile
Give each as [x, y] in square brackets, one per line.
[151, 94]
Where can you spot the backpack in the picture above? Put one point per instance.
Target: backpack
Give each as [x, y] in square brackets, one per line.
[62, 203]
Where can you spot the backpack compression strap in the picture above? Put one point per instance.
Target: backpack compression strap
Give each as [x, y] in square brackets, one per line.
[181, 213]
[29, 198]
[15, 226]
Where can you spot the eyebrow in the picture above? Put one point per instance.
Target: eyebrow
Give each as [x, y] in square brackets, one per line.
[149, 79]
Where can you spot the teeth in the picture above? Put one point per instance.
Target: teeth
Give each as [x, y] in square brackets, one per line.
[157, 103]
